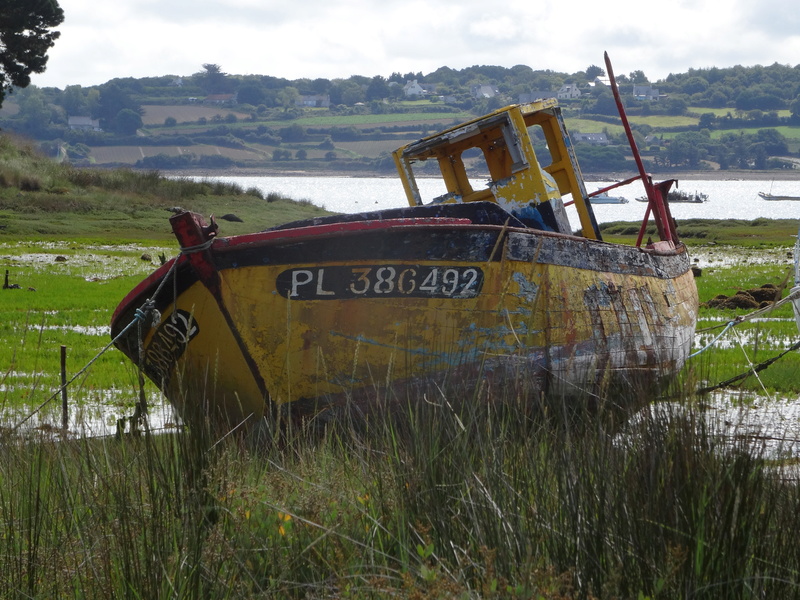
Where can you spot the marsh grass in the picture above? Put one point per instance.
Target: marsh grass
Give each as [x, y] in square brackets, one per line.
[39, 197]
[445, 499]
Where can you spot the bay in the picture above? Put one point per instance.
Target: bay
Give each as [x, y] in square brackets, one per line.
[727, 199]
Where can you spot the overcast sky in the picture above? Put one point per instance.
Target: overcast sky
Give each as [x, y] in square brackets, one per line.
[338, 38]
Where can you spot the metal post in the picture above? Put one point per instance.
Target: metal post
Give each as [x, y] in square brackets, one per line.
[64, 409]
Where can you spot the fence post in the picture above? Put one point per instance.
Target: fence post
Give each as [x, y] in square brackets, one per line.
[64, 409]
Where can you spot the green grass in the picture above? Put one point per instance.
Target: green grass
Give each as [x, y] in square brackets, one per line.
[39, 198]
[757, 233]
[448, 499]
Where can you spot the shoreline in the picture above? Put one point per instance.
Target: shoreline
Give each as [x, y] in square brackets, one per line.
[711, 175]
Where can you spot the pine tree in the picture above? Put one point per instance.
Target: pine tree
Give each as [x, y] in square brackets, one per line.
[25, 37]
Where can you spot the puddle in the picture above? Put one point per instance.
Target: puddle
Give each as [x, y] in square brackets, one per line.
[730, 256]
[89, 418]
[764, 427]
[93, 262]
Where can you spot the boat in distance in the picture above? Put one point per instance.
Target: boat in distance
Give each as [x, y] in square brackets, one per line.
[604, 198]
[491, 286]
[768, 196]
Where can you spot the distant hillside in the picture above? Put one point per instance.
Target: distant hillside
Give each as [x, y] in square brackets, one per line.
[717, 118]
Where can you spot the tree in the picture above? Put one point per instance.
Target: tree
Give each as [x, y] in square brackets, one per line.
[593, 71]
[378, 89]
[252, 93]
[33, 111]
[795, 107]
[127, 122]
[212, 79]
[25, 38]
[112, 100]
[638, 77]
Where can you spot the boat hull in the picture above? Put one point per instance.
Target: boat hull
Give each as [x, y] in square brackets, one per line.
[314, 316]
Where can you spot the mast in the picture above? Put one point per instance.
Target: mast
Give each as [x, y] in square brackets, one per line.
[656, 193]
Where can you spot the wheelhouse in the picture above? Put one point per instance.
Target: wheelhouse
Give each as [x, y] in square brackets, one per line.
[529, 185]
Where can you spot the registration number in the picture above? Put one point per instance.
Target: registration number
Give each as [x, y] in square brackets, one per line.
[384, 281]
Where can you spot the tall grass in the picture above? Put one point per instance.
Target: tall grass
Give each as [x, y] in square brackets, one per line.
[447, 498]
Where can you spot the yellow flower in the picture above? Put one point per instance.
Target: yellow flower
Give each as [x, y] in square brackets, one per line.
[284, 518]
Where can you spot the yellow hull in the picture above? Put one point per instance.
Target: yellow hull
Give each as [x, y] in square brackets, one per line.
[260, 332]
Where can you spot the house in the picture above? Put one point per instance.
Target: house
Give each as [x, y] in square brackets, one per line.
[84, 124]
[595, 139]
[483, 91]
[314, 101]
[568, 91]
[220, 99]
[645, 92]
[534, 96]
[412, 88]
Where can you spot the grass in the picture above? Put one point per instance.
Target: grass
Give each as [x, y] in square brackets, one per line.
[757, 233]
[456, 497]
[118, 204]
[449, 499]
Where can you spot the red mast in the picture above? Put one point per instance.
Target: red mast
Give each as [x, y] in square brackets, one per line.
[656, 193]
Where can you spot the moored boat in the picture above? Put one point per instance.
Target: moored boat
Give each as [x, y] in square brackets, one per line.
[768, 196]
[604, 198]
[491, 285]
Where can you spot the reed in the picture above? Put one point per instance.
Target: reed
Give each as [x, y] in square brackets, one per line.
[461, 495]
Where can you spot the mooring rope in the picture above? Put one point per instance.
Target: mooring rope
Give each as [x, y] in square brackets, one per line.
[754, 369]
[145, 311]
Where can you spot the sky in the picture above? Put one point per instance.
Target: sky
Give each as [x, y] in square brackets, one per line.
[333, 39]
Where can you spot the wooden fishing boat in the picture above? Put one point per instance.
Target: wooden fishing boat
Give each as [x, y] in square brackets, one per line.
[487, 285]
[768, 196]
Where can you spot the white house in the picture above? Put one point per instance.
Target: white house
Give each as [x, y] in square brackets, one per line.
[483, 91]
[318, 101]
[645, 92]
[412, 88]
[568, 91]
[596, 139]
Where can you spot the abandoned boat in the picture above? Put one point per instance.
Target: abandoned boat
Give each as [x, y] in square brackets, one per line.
[489, 285]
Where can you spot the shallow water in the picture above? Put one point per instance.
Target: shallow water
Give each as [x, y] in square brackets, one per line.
[728, 199]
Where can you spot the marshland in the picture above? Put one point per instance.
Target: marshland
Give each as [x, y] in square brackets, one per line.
[455, 496]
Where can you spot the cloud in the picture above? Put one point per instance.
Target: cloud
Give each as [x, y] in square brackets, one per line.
[339, 38]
